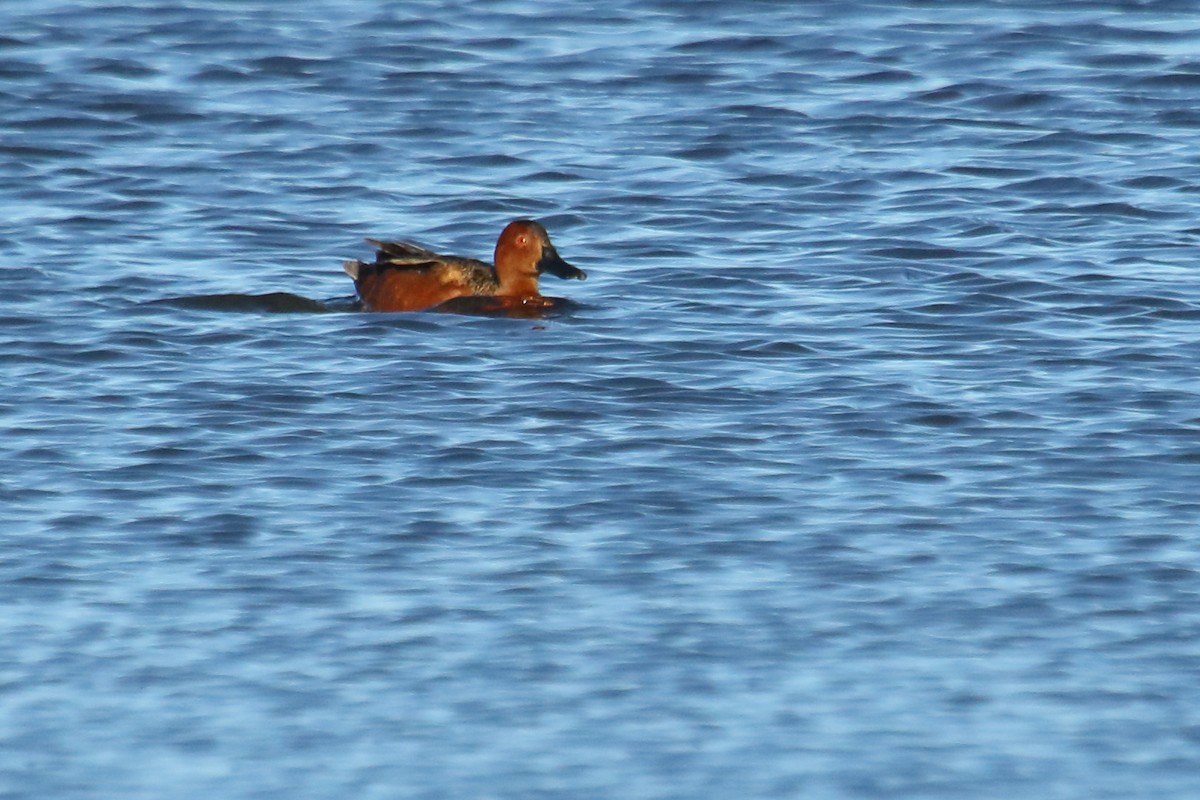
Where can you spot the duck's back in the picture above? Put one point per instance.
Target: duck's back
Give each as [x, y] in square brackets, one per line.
[408, 277]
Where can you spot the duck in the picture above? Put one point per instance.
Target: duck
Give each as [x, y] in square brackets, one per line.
[408, 277]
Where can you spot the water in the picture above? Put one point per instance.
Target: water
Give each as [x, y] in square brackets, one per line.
[865, 467]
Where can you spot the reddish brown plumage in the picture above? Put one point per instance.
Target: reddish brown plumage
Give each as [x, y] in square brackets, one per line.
[412, 289]
[406, 277]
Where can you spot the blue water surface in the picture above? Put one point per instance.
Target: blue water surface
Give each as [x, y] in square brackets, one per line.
[866, 465]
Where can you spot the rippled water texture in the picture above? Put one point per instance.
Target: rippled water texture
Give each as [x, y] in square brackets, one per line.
[864, 466]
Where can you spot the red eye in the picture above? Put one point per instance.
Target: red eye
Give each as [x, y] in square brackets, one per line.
[522, 239]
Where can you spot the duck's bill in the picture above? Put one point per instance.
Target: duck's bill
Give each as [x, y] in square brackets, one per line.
[551, 262]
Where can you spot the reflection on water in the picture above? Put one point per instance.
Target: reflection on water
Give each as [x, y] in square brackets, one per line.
[271, 303]
[543, 307]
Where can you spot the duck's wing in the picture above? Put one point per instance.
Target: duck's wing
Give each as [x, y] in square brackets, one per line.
[393, 255]
[476, 277]
[408, 255]
[401, 252]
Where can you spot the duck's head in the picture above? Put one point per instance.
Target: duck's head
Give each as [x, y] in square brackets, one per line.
[525, 247]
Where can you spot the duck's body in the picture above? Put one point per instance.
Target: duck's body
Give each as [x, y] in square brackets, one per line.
[408, 277]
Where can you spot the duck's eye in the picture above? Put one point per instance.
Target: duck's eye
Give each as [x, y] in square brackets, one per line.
[522, 239]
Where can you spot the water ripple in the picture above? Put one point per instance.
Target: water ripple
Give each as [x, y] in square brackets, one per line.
[863, 464]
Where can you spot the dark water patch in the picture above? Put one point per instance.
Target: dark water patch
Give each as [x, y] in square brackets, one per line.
[736, 44]
[1124, 210]
[72, 123]
[943, 95]
[554, 176]
[88, 221]
[16, 69]
[1016, 101]
[919, 253]
[1151, 303]
[963, 90]
[222, 74]
[1176, 314]
[710, 152]
[272, 302]
[773, 179]
[882, 76]
[1154, 182]
[220, 529]
[1057, 185]
[921, 477]
[36, 153]
[167, 116]
[494, 44]
[482, 161]
[1123, 61]
[134, 104]
[1010, 128]
[1171, 80]
[989, 171]
[121, 68]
